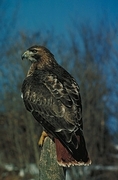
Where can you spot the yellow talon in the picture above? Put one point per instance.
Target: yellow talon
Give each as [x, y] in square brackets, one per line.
[42, 138]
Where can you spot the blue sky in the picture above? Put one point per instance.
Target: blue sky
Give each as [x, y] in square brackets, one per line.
[33, 15]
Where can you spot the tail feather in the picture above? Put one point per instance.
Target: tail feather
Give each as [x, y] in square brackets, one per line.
[77, 156]
[64, 158]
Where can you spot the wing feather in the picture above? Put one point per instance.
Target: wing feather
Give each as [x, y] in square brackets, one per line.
[51, 97]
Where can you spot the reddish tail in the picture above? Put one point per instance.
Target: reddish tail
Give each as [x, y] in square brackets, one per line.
[65, 158]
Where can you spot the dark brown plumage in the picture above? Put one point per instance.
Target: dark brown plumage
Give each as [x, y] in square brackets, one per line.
[52, 95]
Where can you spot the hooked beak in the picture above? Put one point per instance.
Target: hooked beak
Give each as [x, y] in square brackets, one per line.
[25, 55]
[28, 55]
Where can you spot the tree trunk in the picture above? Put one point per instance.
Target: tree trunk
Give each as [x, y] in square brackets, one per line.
[48, 166]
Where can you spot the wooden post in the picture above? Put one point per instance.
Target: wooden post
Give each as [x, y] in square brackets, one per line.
[48, 166]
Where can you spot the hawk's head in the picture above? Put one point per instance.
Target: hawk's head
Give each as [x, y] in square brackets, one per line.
[37, 54]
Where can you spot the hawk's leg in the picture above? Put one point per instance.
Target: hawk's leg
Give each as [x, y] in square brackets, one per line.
[42, 138]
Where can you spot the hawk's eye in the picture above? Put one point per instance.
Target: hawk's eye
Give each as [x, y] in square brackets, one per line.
[34, 50]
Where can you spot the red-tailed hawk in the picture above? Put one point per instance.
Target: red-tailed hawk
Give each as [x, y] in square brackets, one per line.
[52, 95]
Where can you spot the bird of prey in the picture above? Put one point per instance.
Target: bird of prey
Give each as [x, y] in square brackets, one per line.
[52, 95]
